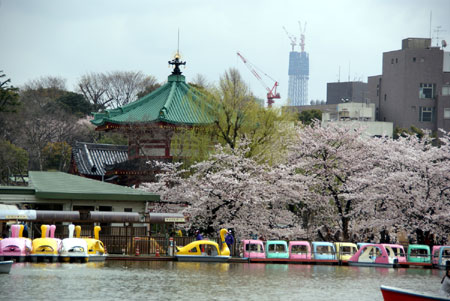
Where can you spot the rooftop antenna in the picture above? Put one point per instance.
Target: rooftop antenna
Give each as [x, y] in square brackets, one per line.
[437, 31]
[349, 70]
[178, 43]
[431, 14]
[176, 62]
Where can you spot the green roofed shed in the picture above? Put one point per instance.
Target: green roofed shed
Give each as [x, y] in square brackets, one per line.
[59, 185]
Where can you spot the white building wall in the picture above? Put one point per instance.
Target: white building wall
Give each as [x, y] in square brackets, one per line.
[446, 67]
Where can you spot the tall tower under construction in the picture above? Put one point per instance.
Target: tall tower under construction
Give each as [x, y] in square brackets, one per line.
[298, 71]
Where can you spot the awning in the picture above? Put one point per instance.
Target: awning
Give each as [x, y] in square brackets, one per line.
[164, 218]
[70, 216]
[17, 214]
[57, 216]
[114, 217]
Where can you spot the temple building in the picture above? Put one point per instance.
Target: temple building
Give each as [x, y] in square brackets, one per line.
[92, 160]
[150, 123]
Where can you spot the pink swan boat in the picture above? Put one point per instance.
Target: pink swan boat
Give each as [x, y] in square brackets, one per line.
[15, 247]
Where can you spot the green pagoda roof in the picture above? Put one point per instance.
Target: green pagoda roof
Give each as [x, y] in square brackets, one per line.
[174, 103]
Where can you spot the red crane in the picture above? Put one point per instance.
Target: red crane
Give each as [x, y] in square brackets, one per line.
[271, 93]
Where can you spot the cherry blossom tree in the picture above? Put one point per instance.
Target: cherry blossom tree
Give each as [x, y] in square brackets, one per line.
[232, 191]
[335, 184]
[413, 194]
[337, 164]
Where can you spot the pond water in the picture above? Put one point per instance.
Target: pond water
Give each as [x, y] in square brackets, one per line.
[158, 280]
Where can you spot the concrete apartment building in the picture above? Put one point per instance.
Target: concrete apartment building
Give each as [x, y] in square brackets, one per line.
[346, 92]
[414, 88]
[358, 115]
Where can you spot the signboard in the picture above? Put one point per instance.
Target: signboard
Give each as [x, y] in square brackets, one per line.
[16, 216]
[174, 220]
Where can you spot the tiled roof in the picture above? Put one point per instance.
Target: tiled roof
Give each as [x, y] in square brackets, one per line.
[91, 158]
[174, 103]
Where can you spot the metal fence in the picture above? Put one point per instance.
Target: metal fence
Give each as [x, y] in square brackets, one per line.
[130, 240]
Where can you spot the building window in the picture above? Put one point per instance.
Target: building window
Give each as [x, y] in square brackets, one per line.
[396, 60]
[426, 91]
[414, 59]
[127, 209]
[385, 97]
[426, 114]
[392, 61]
[446, 90]
[446, 113]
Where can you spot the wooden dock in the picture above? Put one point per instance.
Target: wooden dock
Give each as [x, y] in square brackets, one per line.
[425, 265]
[117, 257]
[293, 261]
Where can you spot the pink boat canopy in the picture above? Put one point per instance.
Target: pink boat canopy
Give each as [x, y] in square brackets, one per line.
[299, 250]
[252, 248]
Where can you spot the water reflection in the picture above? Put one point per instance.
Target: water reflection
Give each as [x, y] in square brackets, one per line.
[157, 280]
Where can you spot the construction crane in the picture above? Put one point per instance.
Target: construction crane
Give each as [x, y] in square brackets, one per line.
[291, 37]
[302, 36]
[271, 93]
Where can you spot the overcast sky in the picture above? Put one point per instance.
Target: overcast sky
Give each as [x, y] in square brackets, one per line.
[69, 38]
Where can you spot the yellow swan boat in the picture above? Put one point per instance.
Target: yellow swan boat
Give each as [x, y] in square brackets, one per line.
[47, 246]
[204, 250]
[96, 249]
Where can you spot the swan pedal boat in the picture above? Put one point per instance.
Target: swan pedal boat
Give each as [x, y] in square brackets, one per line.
[5, 266]
[74, 248]
[15, 247]
[46, 247]
[95, 247]
[204, 251]
[397, 294]
[96, 250]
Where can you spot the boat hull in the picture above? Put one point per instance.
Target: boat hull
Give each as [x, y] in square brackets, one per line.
[74, 258]
[369, 264]
[396, 294]
[5, 266]
[202, 258]
[44, 258]
[16, 258]
[97, 258]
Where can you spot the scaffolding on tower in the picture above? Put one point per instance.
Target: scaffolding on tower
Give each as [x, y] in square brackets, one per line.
[298, 69]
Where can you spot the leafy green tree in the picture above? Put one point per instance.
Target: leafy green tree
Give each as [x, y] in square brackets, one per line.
[308, 116]
[236, 116]
[13, 161]
[76, 104]
[401, 132]
[57, 155]
[9, 98]
[112, 138]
